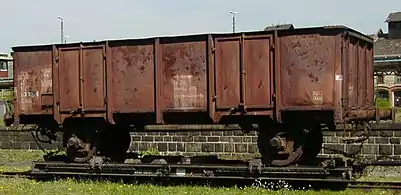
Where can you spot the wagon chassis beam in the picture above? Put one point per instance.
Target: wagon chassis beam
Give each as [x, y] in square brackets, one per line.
[161, 168]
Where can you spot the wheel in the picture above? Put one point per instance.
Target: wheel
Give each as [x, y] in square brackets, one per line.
[81, 140]
[280, 148]
[312, 146]
[114, 143]
[80, 151]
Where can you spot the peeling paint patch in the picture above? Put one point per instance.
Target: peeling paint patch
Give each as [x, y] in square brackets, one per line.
[46, 80]
[186, 94]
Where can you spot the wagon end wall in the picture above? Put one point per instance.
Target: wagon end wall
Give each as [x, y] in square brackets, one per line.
[325, 69]
[33, 82]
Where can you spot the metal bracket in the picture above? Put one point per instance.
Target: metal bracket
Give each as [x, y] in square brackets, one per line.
[164, 172]
[240, 108]
[255, 166]
[96, 163]
[208, 173]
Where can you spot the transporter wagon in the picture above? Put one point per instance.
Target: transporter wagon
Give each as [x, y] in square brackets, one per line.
[286, 84]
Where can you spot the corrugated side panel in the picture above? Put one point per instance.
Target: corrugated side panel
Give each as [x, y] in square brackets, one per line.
[369, 72]
[307, 71]
[132, 74]
[184, 74]
[33, 78]
[359, 73]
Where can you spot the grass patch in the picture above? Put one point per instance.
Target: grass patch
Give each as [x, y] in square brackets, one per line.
[69, 186]
[18, 160]
[380, 179]
[381, 173]
[12, 156]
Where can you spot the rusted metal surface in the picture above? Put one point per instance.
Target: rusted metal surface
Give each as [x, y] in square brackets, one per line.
[359, 73]
[370, 114]
[33, 79]
[244, 72]
[184, 74]
[358, 81]
[69, 76]
[93, 79]
[362, 71]
[81, 84]
[307, 70]
[369, 76]
[80, 81]
[338, 78]
[258, 62]
[326, 70]
[255, 73]
[227, 58]
[352, 73]
[132, 77]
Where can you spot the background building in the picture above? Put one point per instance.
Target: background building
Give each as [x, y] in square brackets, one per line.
[6, 80]
[387, 54]
[6, 67]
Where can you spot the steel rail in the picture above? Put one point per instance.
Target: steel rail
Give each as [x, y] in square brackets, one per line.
[375, 185]
[389, 185]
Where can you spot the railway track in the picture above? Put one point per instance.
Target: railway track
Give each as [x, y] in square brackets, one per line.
[385, 185]
[171, 170]
[180, 170]
[321, 183]
[375, 185]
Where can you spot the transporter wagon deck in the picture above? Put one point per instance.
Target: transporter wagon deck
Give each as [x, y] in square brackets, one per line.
[286, 84]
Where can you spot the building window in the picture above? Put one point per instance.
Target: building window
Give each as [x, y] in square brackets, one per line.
[3, 66]
[397, 79]
[397, 98]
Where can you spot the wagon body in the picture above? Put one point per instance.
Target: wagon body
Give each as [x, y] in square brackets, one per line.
[205, 78]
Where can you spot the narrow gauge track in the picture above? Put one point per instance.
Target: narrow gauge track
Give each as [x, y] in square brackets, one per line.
[184, 170]
[194, 171]
[13, 174]
[318, 183]
[168, 169]
[393, 185]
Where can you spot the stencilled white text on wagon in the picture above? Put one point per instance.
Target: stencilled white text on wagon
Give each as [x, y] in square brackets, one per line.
[25, 92]
[186, 94]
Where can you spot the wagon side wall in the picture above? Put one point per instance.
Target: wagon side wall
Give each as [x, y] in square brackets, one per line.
[210, 76]
[197, 77]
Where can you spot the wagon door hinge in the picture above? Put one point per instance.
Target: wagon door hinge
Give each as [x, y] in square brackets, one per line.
[104, 55]
[272, 47]
[241, 108]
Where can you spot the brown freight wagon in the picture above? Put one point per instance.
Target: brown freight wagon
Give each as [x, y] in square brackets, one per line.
[289, 82]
